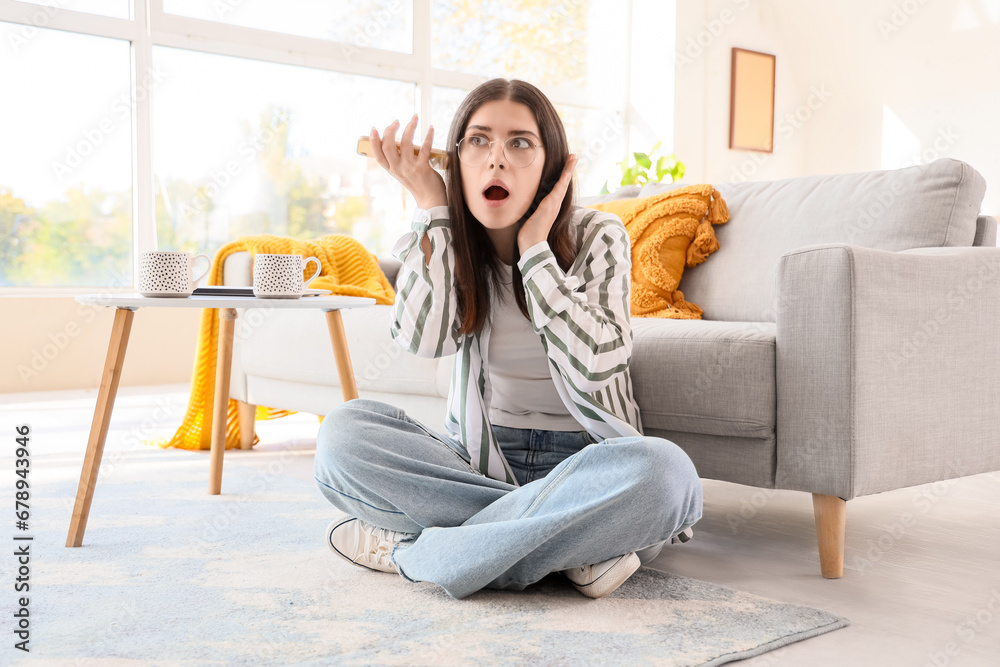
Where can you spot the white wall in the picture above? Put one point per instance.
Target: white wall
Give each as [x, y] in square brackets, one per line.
[935, 64]
[706, 32]
[54, 343]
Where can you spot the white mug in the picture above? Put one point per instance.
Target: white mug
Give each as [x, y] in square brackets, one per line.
[163, 273]
[280, 276]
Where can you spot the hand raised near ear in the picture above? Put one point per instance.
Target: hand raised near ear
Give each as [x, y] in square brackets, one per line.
[536, 228]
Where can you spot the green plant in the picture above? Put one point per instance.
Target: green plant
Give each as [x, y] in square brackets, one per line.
[637, 173]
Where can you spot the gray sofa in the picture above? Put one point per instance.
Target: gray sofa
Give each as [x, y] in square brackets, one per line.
[850, 343]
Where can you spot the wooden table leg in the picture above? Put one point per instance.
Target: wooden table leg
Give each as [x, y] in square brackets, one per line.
[335, 323]
[220, 410]
[99, 427]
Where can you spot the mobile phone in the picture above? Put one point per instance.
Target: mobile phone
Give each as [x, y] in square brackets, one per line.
[438, 159]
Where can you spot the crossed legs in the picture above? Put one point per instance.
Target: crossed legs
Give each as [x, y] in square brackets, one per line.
[468, 531]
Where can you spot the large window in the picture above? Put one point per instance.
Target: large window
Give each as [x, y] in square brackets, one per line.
[247, 147]
[236, 117]
[571, 43]
[115, 8]
[382, 24]
[65, 159]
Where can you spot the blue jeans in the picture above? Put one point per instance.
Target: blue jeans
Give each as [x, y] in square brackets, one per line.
[580, 502]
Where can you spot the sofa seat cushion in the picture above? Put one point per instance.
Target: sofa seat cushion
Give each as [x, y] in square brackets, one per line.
[294, 346]
[704, 376]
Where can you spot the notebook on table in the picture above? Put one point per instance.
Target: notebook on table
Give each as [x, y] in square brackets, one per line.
[241, 290]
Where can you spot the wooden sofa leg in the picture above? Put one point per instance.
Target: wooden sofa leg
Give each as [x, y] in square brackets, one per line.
[246, 414]
[831, 526]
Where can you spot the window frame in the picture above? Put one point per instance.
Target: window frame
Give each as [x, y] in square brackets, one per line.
[150, 26]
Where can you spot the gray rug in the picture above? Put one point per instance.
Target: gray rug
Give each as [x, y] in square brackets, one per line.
[171, 576]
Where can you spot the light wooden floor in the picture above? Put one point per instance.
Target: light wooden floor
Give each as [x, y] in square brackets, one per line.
[913, 593]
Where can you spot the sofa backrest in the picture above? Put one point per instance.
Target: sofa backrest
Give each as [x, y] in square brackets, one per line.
[930, 205]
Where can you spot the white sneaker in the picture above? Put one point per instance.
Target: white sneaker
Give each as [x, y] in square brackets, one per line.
[363, 544]
[600, 579]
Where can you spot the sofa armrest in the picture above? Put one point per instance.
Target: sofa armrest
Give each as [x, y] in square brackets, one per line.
[986, 231]
[888, 367]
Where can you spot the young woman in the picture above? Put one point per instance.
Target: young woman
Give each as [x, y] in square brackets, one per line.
[542, 466]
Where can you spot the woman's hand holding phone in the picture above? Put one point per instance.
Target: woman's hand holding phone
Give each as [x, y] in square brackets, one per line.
[413, 171]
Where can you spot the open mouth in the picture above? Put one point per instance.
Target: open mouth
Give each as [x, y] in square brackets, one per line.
[495, 193]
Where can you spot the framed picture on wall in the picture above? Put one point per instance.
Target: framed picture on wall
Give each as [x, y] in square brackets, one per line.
[751, 101]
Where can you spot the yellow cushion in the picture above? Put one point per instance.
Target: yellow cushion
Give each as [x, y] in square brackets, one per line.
[668, 231]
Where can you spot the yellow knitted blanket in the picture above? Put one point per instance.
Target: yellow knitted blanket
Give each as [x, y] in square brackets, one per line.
[348, 269]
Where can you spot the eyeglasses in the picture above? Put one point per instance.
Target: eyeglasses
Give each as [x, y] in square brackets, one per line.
[474, 150]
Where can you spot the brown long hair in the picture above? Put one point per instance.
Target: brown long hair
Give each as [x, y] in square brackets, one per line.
[477, 265]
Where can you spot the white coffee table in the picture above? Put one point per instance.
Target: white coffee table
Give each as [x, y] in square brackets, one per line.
[126, 305]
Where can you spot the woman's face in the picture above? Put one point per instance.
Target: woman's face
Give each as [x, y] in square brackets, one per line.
[497, 192]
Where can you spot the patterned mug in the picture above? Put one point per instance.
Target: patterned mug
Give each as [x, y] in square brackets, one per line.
[165, 274]
[280, 276]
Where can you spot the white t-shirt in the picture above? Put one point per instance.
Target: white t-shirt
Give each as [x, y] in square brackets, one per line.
[524, 395]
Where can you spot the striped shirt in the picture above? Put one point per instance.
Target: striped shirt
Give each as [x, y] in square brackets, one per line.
[581, 316]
